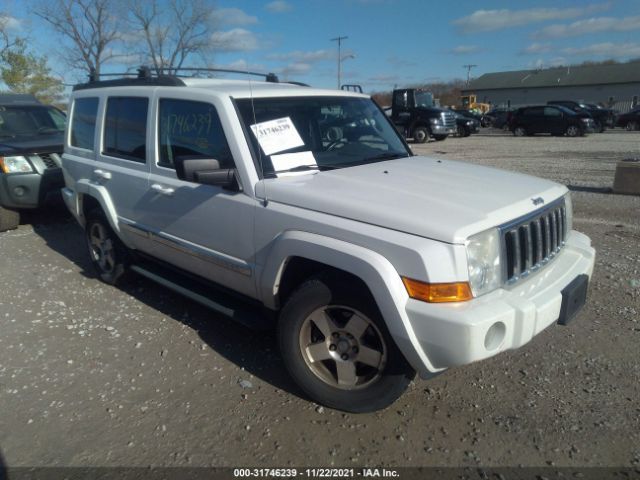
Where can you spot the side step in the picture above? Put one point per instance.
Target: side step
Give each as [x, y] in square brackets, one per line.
[252, 316]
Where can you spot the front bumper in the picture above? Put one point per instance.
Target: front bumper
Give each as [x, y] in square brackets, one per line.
[461, 333]
[442, 130]
[30, 190]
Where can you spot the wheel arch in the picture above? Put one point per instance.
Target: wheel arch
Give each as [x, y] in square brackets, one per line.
[95, 196]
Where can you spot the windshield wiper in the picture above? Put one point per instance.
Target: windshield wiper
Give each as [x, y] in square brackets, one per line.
[297, 168]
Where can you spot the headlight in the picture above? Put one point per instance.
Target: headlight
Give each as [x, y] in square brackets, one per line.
[17, 164]
[483, 261]
[469, 123]
[568, 208]
[435, 121]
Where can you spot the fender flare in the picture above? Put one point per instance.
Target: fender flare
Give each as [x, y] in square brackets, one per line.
[101, 195]
[373, 269]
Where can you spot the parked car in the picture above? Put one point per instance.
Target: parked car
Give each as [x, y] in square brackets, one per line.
[465, 126]
[553, 119]
[629, 120]
[269, 201]
[602, 117]
[30, 149]
[497, 118]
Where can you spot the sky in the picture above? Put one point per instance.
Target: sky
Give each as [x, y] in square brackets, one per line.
[394, 42]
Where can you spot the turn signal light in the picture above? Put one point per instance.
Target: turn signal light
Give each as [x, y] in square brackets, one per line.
[438, 292]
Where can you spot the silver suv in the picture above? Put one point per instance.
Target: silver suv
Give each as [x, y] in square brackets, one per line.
[267, 200]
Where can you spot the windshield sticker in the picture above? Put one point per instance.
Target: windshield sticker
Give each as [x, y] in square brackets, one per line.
[277, 135]
[284, 162]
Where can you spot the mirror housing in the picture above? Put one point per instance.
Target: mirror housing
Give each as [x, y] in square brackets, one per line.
[205, 171]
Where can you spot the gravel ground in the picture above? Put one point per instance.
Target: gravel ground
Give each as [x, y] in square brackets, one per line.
[93, 375]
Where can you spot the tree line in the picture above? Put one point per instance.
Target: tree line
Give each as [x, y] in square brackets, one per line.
[94, 33]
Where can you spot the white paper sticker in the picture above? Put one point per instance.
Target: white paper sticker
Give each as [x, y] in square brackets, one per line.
[287, 161]
[277, 135]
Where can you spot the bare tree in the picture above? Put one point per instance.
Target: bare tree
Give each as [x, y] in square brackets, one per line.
[7, 40]
[91, 27]
[172, 31]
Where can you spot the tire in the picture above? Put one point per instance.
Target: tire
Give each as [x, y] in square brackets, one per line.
[439, 138]
[342, 323]
[9, 219]
[520, 131]
[460, 131]
[109, 256]
[573, 131]
[631, 126]
[600, 127]
[420, 135]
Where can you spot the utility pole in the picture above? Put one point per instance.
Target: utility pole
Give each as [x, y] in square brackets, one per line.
[339, 40]
[469, 67]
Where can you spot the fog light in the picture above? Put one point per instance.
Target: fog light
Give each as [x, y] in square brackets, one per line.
[19, 191]
[494, 336]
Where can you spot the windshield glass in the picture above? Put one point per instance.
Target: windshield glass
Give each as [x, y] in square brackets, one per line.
[16, 121]
[322, 132]
[424, 99]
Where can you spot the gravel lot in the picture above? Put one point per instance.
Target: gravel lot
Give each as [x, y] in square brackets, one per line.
[94, 375]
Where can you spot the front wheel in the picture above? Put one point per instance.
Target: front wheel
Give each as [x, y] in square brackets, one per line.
[573, 131]
[9, 219]
[519, 131]
[337, 348]
[420, 135]
[108, 254]
[632, 126]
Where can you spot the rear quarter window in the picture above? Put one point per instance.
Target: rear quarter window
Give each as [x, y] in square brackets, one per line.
[83, 122]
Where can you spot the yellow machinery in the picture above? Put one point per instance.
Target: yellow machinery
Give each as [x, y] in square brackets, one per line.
[470, 102]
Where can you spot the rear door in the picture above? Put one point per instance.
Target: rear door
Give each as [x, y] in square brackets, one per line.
[533, 119]
[553, 121]
[122, 167]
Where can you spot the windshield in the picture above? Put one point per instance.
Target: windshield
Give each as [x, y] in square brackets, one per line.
[424, 99]
[19, 121]
[319, 132]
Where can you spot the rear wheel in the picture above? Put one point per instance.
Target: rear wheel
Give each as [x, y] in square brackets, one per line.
[632, 126]
[420, 135]
[337, 348]
[572, 131]
[109, 255]
[519, 131]
[9, 219]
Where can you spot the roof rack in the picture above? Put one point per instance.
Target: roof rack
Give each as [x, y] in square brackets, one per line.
[146, 76]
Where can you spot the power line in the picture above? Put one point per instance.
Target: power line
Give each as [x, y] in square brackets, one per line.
[339, 40]
[469, 67]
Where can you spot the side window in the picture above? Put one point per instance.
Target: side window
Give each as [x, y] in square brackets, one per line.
[83, 123]
[533, 111]
[551, 112]
[125, 128]
[188, 128]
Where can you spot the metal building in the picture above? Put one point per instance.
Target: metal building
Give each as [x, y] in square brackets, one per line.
[616, 86]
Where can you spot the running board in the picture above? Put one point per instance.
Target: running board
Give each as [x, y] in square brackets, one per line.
[253, 317]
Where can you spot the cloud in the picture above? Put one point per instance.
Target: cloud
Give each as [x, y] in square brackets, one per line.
[296, 68]
[10, 23]
[278, 6]
[465, 49]
[235, 40]
[301, 56]
[400, 62]
[590, 26]
[607, 49]
[489, 20]
[553, 62]
[536, 48]
[233, 17]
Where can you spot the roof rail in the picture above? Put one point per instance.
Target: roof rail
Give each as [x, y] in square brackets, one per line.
[147, 76]
[351, 88]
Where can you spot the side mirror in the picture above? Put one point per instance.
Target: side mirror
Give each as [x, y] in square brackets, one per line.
[206, 171]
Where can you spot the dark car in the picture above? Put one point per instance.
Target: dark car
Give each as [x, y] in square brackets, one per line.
[553, 119]
[629, 120]
[31, 139]
[497, 117]
[601, 116]
[466, 125]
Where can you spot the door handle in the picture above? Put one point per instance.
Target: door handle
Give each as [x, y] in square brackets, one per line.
[156, 187]
[102, 174]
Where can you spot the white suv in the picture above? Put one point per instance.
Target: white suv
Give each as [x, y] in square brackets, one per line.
[269, 200]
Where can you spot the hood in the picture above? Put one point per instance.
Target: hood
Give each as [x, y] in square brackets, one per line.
[37, 144]
[434, 198]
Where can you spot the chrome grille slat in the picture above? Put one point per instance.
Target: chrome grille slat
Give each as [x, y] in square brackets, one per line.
[531, 242]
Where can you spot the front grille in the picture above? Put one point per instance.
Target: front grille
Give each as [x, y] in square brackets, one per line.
[529, 243]
[49, 159]
[449, 119]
